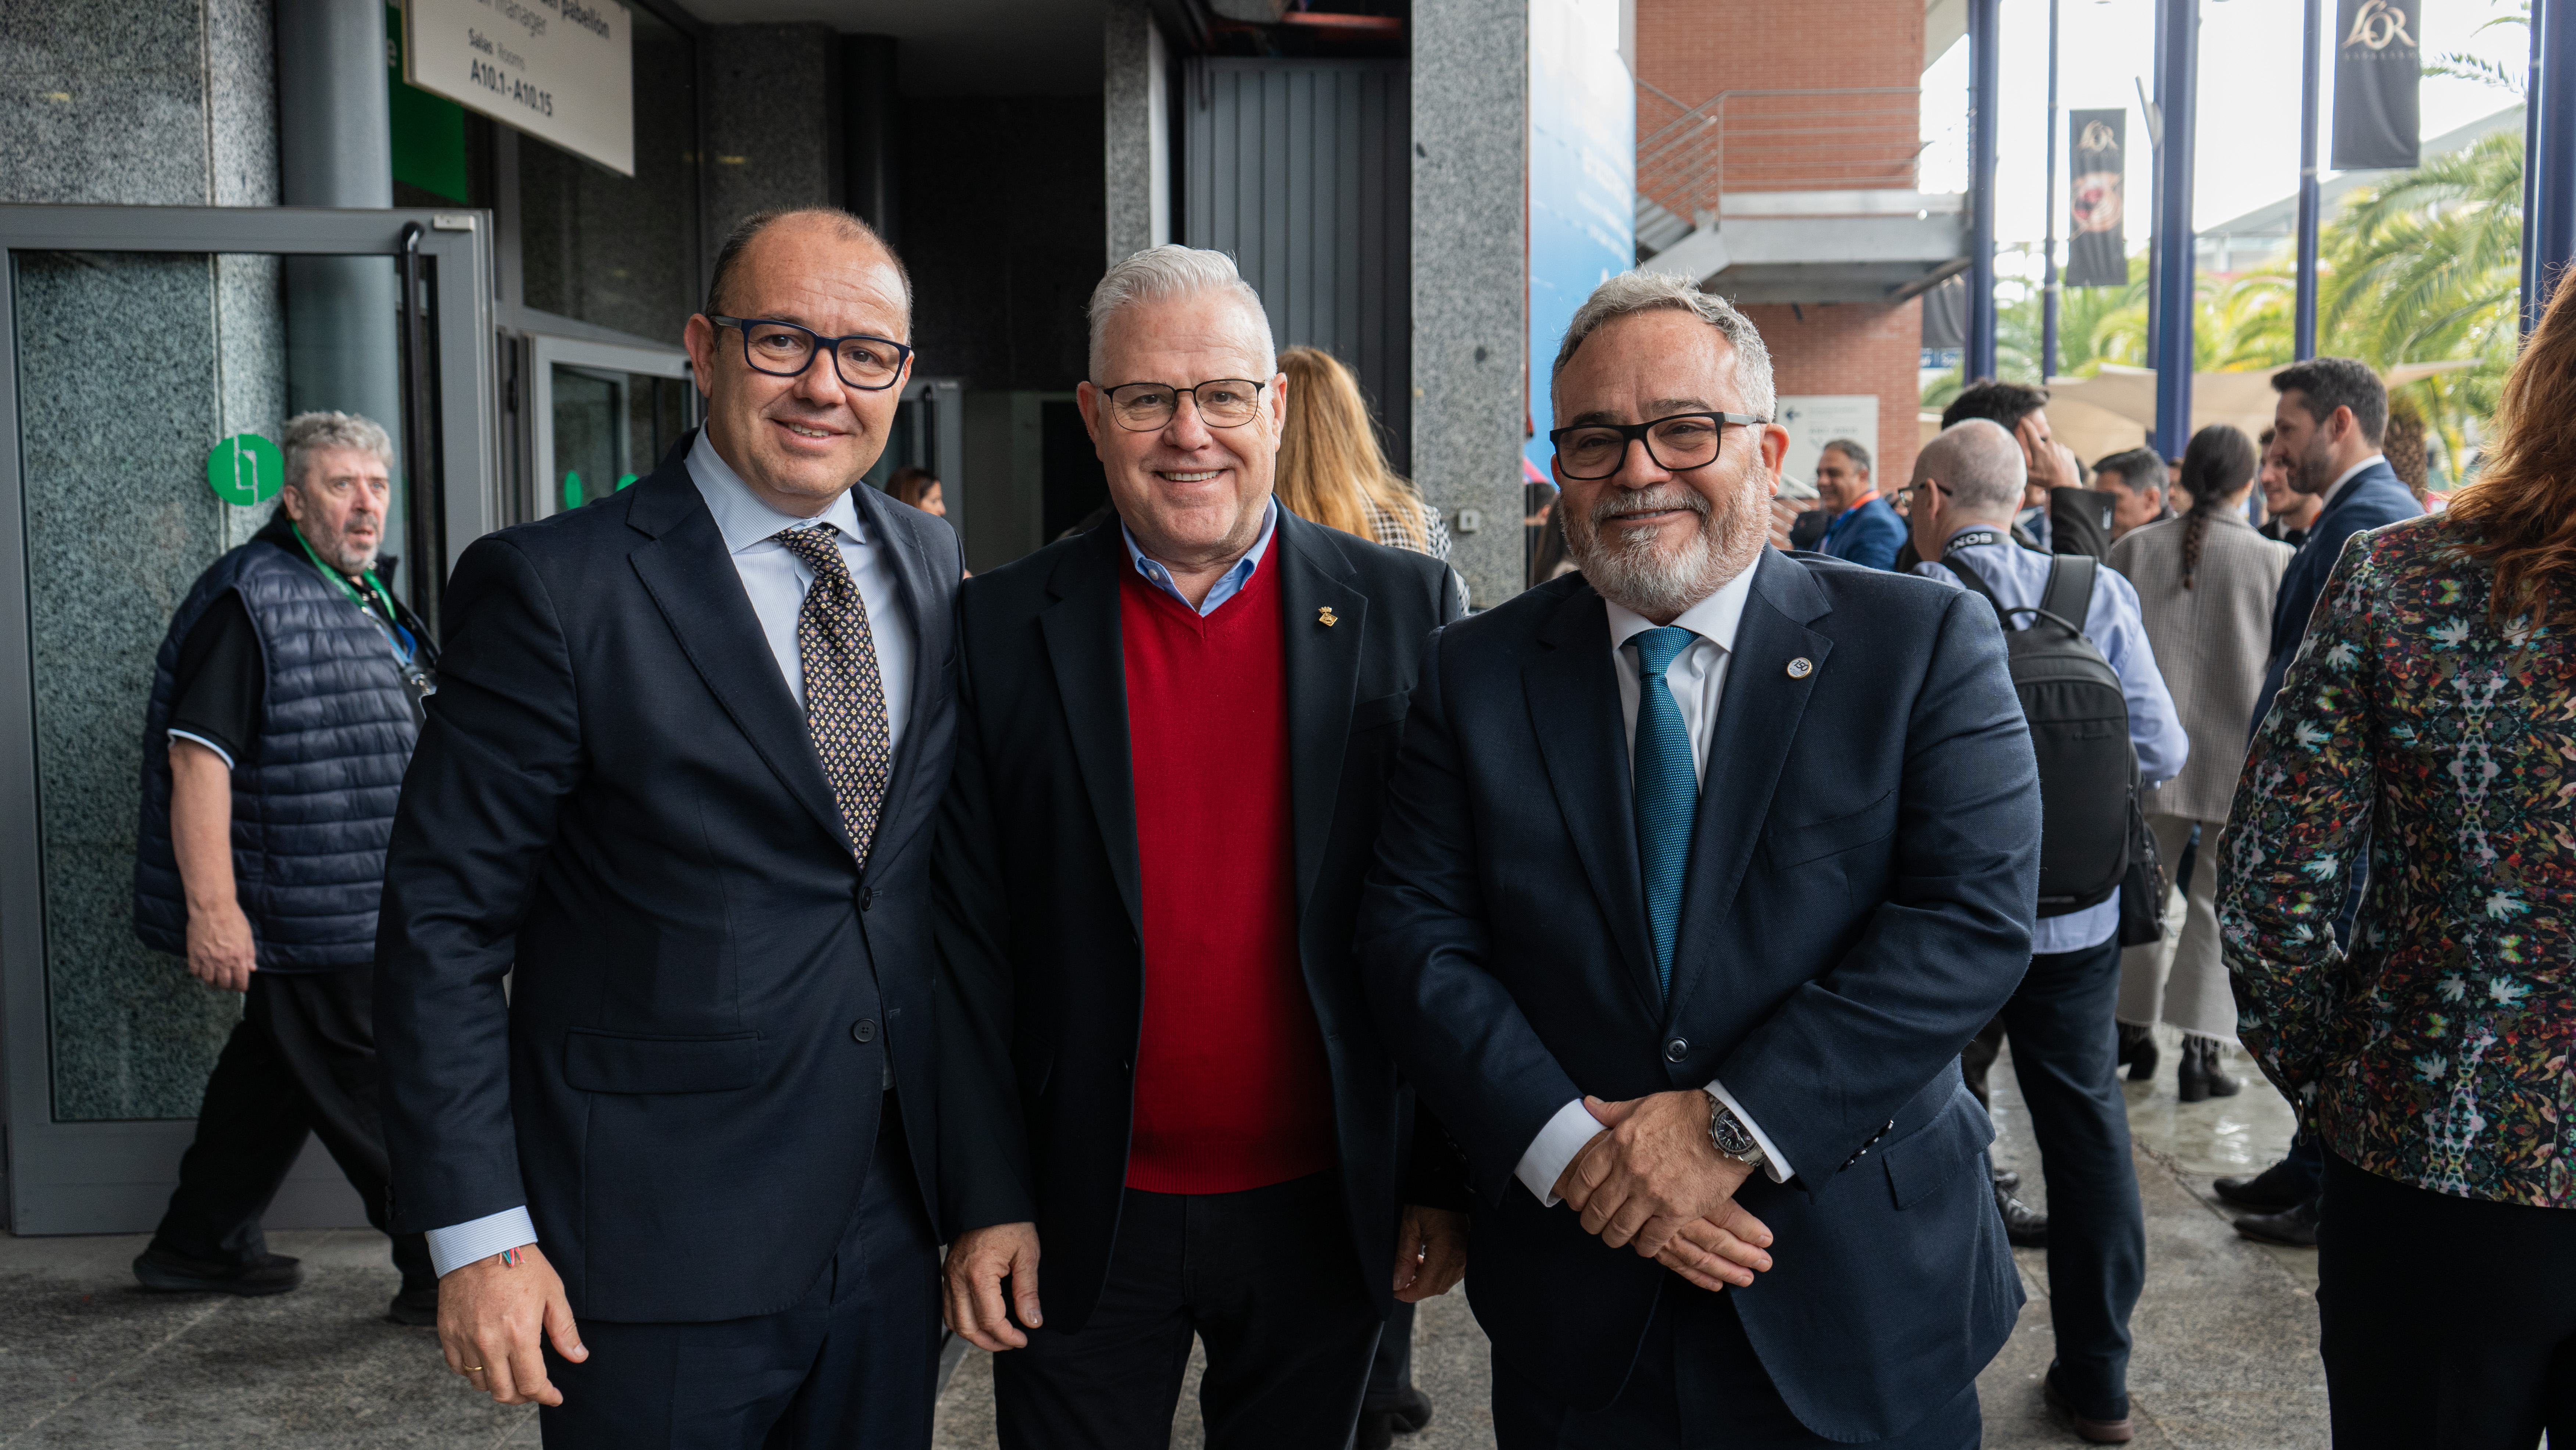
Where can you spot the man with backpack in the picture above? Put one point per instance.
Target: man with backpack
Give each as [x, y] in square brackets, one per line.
[2088, 682]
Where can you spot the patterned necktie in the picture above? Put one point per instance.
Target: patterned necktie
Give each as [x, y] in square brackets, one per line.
[1666, 788]
[844, 698]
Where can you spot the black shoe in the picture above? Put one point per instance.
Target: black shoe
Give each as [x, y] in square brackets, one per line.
[168, 1273]
[2198, 1077]
[2295, 1226]
[1407, 1410]
[2275, 1188]
[416, 1306]
[2100, 1432]
[2024, 1226]
[2007, 1179]
[2138, 1051]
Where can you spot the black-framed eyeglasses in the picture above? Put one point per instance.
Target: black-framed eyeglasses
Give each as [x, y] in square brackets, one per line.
[785, 350]
[1146, 407]
[1677, 444]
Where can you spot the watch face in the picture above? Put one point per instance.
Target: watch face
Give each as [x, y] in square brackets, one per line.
[1730, 1136]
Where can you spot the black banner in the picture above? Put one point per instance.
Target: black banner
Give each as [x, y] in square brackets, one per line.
[2097, 254]
[2378, 65]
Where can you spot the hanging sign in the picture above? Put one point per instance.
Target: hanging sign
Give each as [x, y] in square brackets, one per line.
[245, 469]
[2097, 255]
[2378, 68]
[562, 71]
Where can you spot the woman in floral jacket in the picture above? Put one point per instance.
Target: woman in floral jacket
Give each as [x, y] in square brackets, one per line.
[2430, 720]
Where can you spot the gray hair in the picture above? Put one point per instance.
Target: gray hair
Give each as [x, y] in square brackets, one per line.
[310, 433]
[1159, 274]
[1850, 448]
[1979, 463]
[1634, 292]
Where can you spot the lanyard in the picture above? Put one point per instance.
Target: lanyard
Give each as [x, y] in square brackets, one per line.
[1970, 539]
[404, 646]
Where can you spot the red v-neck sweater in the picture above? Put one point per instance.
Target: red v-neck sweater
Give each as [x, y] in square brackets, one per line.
[1231, 1086]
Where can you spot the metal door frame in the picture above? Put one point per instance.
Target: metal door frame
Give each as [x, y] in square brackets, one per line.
[105, 1177]
[544, 351]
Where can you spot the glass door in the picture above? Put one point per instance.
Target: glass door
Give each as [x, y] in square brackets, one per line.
[149, 358]
[602, 416]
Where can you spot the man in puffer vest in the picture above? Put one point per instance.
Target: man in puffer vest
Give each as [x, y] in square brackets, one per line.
[284, 705]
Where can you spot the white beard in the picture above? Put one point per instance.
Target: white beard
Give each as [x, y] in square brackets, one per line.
[1629, 567]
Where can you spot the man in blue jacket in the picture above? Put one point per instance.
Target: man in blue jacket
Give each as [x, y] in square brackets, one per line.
[1862, 528]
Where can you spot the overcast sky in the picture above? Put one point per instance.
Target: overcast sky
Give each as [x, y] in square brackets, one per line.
[2248, 139]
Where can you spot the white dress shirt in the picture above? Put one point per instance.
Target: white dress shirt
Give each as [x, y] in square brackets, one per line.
[1697, 678]
[775, 581]
[2345, 477]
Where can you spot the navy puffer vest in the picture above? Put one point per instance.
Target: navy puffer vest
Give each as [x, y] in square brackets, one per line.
[313, 799]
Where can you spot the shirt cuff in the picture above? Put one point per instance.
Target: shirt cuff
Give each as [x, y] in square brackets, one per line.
[1772, 1163]
[210, 745]
[454, 1247]
[1553, 1148]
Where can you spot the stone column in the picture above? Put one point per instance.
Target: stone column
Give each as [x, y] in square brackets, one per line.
[773, 119]
[1136, 116]
[1470, 161]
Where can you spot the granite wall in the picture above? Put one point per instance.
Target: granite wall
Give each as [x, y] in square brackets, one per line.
[1136, 130]
[773, 118]
[166, 102]
[1470, 144]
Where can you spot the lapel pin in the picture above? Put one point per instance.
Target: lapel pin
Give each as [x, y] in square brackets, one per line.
[1801, 667]
[1326, 617]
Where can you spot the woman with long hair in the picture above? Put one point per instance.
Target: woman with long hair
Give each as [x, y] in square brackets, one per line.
[2205, 582]
[1331, 470]
[2428, 719]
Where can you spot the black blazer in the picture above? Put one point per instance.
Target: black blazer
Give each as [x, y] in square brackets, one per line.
[1042, 977]
[2373, 498]
[616, 793]
[1859, 898]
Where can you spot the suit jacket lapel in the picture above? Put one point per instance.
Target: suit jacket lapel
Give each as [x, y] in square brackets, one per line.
[1323, 670]
[1757, 718]
[1083, 645]
[692, 579]
[1573, 695]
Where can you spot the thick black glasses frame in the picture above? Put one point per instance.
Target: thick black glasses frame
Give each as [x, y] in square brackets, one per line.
[1176, 391]
[1637, 433]
[822, 344]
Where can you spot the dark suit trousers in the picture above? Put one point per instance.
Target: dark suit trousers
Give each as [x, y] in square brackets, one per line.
[301, 1060]
[2065, 1050]
[1263, 1277]
[855, 1363]
[1697, 1386]
[2447, 1321]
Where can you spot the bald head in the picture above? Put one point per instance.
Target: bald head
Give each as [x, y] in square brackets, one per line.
[792, 237]
[1981, 466]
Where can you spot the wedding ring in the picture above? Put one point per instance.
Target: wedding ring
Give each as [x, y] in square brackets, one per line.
[471, 1369]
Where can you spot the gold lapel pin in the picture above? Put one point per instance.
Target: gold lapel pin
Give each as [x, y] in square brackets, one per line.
[1326, 617]
[1801, 667]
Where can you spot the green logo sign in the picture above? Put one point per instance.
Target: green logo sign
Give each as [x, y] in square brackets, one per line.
[245, 469]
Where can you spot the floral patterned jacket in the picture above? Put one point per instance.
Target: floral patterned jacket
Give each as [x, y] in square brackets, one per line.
[2441, 1051]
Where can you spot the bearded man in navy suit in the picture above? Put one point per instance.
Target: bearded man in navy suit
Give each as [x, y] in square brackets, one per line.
[1698, 870]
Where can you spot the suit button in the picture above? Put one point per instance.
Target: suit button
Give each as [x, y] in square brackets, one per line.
[867, 897]
[1677, 1049]
[864, 1030]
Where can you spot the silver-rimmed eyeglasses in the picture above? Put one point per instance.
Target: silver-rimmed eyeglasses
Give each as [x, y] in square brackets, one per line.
[1146, 407]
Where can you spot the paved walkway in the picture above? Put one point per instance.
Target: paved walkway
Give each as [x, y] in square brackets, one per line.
[2226, 1335]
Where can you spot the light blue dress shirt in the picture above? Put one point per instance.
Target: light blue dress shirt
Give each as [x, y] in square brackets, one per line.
[1228, 584]
[2112, 620]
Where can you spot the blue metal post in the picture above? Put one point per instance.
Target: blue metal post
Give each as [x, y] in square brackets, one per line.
[2174, 270]
[1985, 89]
[2310, 71]
[2531, 173]
[2549, 229]
[2048, 284]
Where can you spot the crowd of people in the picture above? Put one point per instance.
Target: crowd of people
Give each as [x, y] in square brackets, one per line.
[736, 942]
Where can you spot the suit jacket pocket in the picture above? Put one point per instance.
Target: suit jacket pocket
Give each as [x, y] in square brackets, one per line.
[1384, 710]
[1789, 846]
[614, 1062]
[1921, 1161]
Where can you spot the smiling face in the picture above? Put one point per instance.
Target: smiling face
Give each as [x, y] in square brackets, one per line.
[1651, 539]
[1840, 483]
[1192, 495]
[339, 506]
[801, 442]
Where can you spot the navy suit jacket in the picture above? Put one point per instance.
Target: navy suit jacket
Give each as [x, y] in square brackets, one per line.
[2372, 498]
[1870, 538]
[1859, 900]
[617, 794]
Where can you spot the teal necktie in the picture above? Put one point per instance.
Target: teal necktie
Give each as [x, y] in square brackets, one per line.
[1667, 790]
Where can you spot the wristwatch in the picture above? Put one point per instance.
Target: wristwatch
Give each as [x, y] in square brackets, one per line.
[1728, 1135]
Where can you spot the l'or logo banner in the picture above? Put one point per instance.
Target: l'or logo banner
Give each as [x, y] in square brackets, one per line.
[2379, 64]
[2097, 255]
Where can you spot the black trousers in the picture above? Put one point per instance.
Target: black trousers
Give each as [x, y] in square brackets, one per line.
[1265, 1278]
[2447, 1321]
[1391, 1368]
[1697, 1386]
[301, 1060]
[855, 1364]
[2066, 1050]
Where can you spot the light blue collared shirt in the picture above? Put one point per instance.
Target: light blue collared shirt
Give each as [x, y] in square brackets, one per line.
[1228, 584]
[2112, 621]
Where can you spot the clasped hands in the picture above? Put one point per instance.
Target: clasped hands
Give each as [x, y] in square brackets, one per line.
[1651, 1178]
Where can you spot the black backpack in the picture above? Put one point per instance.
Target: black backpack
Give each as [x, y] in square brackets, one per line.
[2090, 820]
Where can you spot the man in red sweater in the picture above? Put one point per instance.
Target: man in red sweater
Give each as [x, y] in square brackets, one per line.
[1160, 1074]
